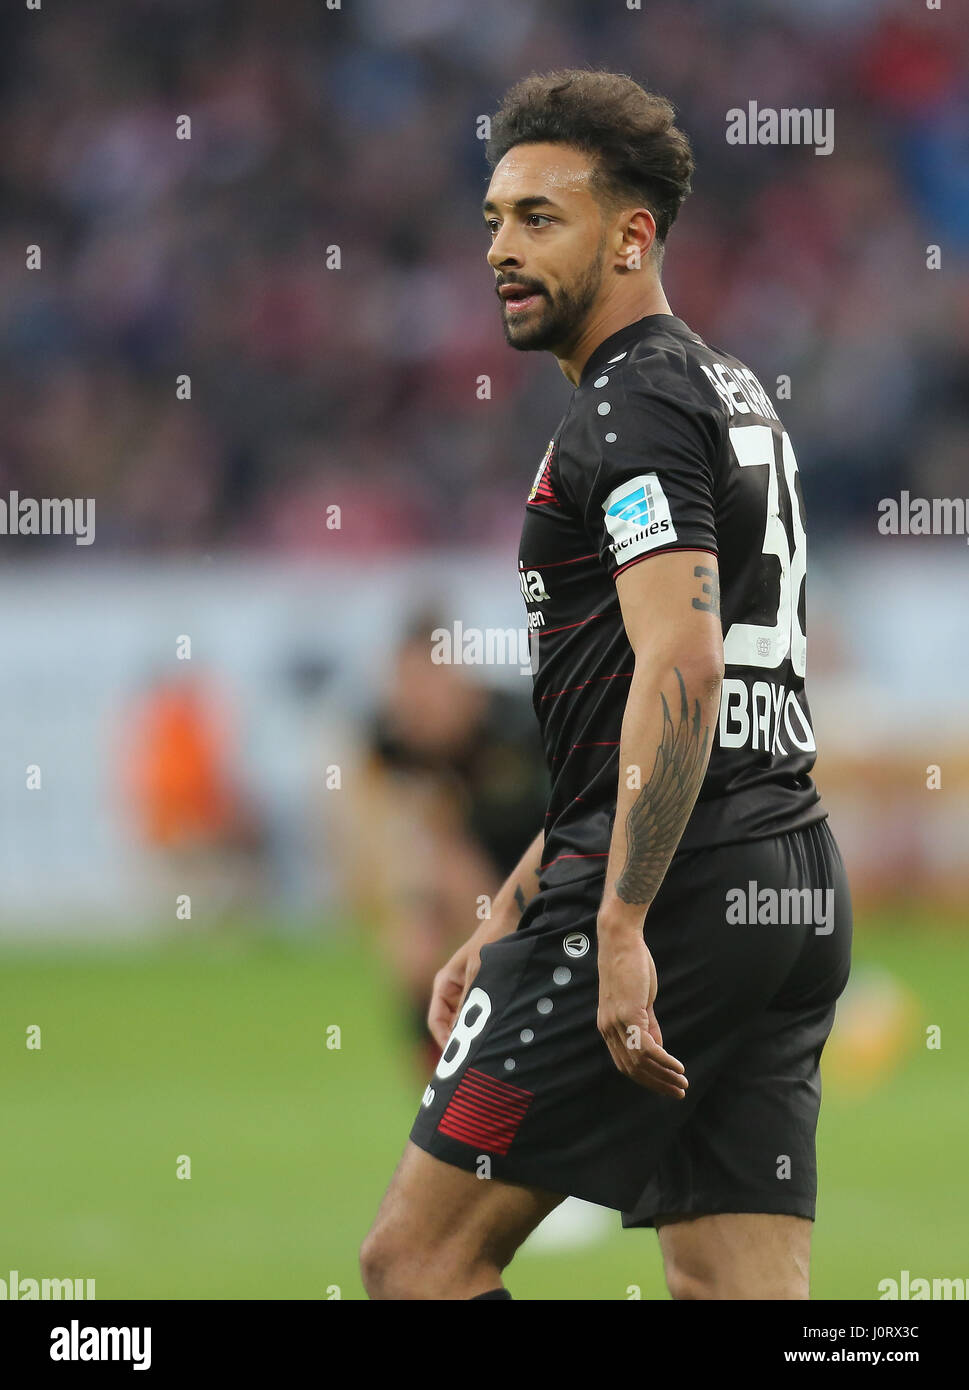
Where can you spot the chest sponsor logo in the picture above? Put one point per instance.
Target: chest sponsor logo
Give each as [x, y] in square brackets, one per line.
[533, 591]
[532, 585]
[637, 516]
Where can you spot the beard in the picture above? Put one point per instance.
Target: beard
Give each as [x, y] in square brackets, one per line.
[557, 321]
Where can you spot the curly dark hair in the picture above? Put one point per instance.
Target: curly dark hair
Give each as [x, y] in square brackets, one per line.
[639, 153]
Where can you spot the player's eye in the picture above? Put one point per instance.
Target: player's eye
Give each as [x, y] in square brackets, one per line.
[492, 224]
[535, 217]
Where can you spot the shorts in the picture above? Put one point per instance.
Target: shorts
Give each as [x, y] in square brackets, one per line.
[748, 976]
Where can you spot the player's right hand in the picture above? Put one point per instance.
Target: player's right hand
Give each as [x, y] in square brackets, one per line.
[626, 1020]
[451, 984]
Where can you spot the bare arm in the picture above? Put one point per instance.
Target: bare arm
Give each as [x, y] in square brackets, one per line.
[453, 980]
[670, 607]
[515, 894]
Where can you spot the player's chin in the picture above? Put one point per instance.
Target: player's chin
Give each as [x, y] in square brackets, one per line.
[530, 332]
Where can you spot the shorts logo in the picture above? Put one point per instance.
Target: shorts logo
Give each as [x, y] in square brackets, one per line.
[637, 516]
[576, 945]
[428, 1097]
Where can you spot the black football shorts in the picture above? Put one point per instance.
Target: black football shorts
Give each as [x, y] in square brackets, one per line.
[752, 945]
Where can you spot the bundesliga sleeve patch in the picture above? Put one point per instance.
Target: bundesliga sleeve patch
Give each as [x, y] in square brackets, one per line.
[637, 515]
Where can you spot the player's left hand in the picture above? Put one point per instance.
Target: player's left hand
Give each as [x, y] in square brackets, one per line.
[627, 990]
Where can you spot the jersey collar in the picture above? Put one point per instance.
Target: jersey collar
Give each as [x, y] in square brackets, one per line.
[618, 342]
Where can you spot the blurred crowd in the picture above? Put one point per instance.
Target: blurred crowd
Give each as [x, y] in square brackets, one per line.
[312, 257]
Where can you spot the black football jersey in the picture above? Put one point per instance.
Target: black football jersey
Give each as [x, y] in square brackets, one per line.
[668, 444]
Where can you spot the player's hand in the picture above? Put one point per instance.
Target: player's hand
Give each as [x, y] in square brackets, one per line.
[451, 984]
[627, 990]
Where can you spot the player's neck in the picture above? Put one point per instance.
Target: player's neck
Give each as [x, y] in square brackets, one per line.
[608, 319]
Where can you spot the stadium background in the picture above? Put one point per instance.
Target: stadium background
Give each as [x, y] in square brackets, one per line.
[357, 387]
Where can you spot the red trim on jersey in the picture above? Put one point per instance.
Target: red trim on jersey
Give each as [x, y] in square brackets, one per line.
[543, 867]
[558, 756]
[668, 550]
[616, 675]
[557, 564]
[545, 632]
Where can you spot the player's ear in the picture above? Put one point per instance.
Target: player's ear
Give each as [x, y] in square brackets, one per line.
[638, 233]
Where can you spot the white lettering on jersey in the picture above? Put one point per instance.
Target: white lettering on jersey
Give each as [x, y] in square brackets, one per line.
[739, 390]
[532, 585]
[637, 515]
[761, 716]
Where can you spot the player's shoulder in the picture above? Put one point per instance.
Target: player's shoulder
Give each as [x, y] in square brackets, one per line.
[720, 379]
[666, 370]
[650, 389]
[656, 368]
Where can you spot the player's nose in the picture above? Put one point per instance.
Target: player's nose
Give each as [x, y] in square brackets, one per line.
[502, 253]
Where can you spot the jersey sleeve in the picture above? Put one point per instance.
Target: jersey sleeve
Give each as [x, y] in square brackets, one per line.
[643, 472]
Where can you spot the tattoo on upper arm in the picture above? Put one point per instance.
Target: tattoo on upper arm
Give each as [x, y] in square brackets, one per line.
[519, 898]
[656, 821]
[711, 602]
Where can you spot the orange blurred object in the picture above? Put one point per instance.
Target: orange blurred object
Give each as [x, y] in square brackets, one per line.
[176, 768]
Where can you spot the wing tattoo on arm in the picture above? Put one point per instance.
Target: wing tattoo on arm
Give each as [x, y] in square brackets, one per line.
[656, 821]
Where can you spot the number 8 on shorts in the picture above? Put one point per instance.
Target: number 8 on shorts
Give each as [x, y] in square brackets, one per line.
[471, 1020]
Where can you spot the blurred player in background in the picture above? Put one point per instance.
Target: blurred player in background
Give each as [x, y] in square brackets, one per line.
[671, 699]
[451, 783]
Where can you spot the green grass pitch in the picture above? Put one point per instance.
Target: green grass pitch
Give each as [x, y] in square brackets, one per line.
[217, 1049]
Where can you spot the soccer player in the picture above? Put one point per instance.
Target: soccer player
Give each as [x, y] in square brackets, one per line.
[686, 875]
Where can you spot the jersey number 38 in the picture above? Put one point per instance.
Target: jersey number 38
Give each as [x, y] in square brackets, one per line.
[770, 644]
